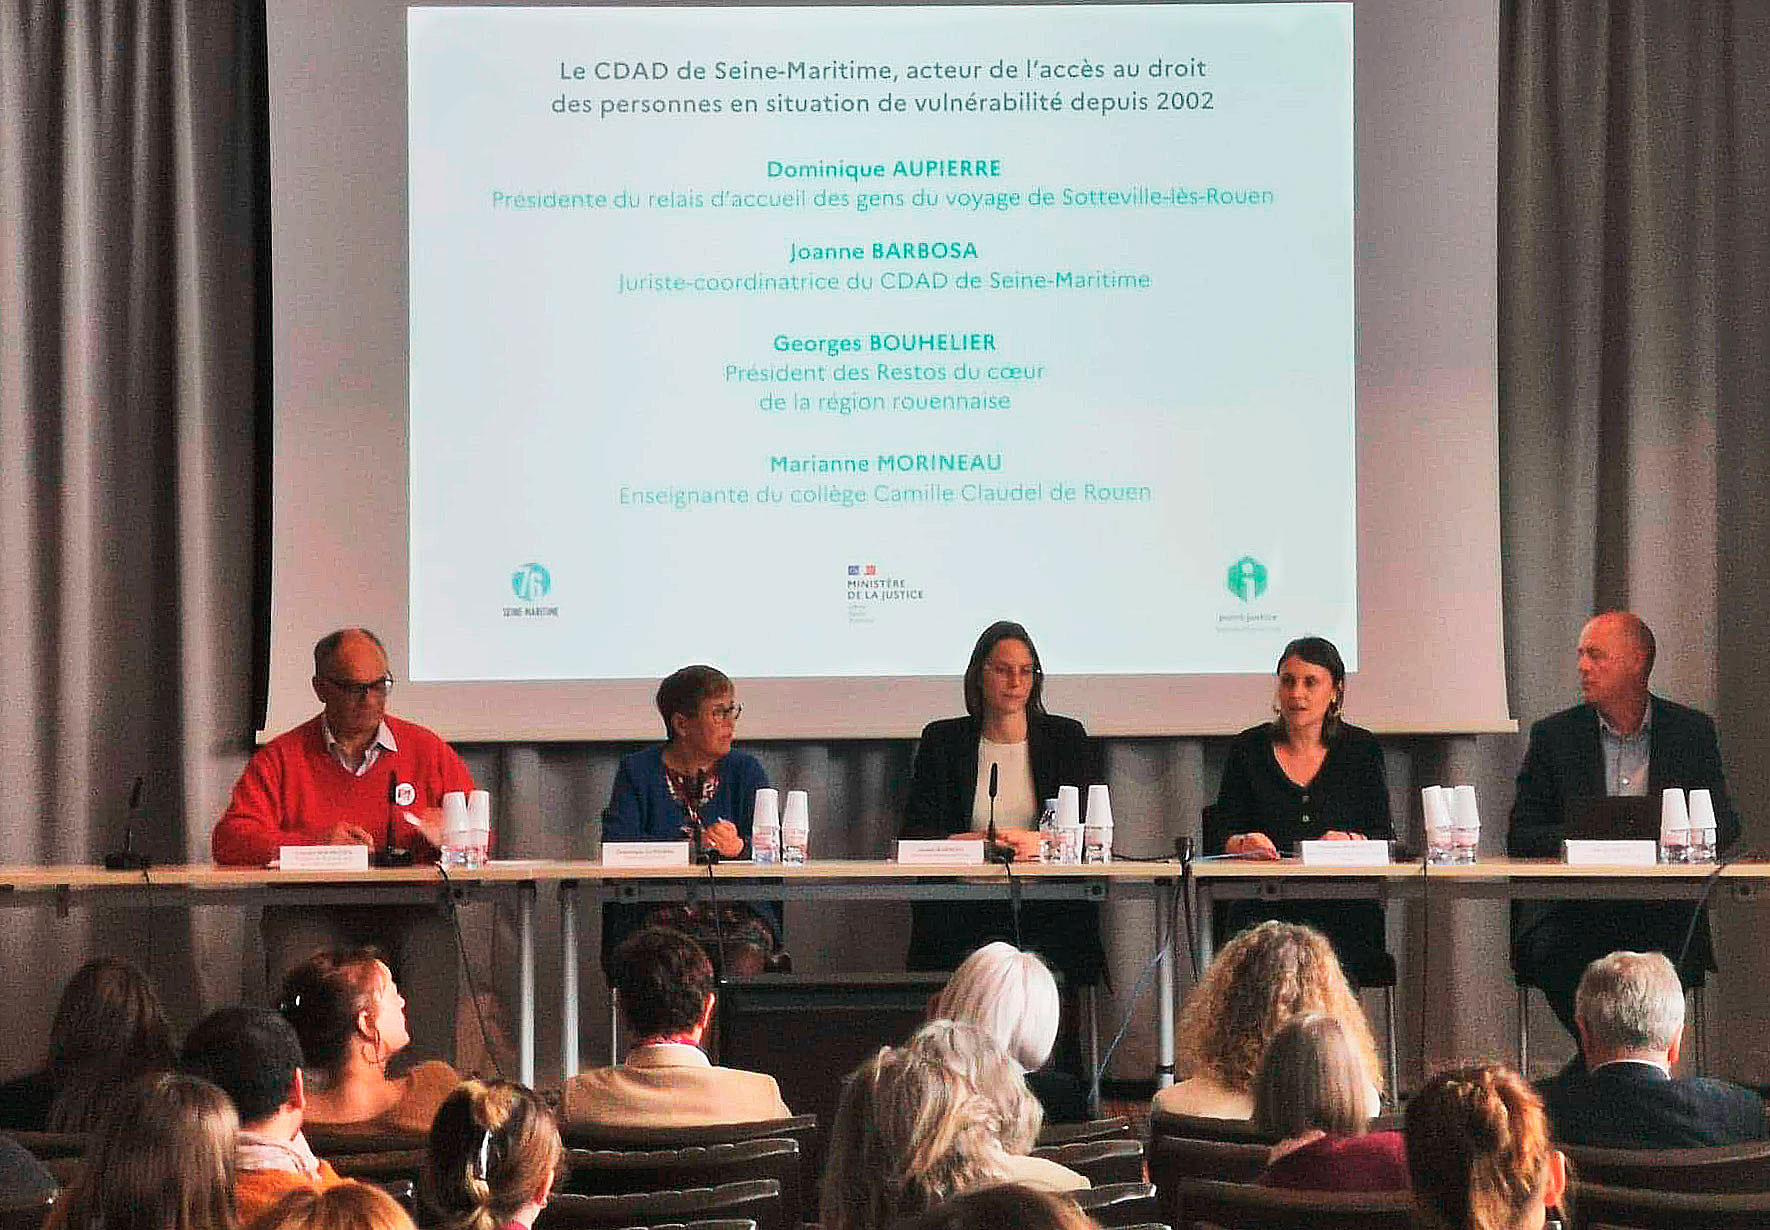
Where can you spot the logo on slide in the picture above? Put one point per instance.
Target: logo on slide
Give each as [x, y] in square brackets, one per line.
[531, 582]
[1247, 578]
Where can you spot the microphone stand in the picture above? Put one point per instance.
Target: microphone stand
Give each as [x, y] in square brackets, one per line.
[704, 853]
[997, 851]
[127, 859]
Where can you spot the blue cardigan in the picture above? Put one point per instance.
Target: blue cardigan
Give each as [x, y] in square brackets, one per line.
[641, 809]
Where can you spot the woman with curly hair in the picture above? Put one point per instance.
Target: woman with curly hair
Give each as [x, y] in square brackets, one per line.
[1478, 1152]
[1263, 977]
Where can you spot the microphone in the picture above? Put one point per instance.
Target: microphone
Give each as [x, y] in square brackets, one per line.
[390, 855]
[127, 859]
[702, 852]
[994, 850]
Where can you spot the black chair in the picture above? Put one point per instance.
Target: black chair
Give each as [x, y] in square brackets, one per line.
[802, 1128]
[727, 1223]
[379, 1168]
[45, 1145]
[1596, 1207]
[1720, 1168]
[1245, 1206]
[1202, 1127]
[1118, 1128]
[1099, 1161]
[1174, 1159]
[1113, 1205]
[603, 1172]
[332, 1140]
[758, 1201]
[26, 1214]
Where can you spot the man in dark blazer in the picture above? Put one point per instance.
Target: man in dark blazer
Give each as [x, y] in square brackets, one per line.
[1622, 741]
[1631, 1027]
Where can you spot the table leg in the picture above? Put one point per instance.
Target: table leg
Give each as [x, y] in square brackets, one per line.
[1164, 993]
[568, 995]
[525, 1042]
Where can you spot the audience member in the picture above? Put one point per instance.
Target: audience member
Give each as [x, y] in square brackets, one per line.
[108, 1030]
[1478, 1152]
[1629, 1011]
[908, 1133]
[345, 1206]
[974, 1056]
[664, 986]
[1003, 1204]
[351, 1020]
[1262, 978]
[1012, 996]
[161, 1159]
[255, 1058]
[493, 1159]
[1310, 1095]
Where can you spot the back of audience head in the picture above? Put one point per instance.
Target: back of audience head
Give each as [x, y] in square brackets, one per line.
[494, 1150]
[162, 1159]
[1003, 1204]
[987, 1068]
[664, 981]
[1630, 1004]
[1262, 978]
[343, 1206]
[109, 1028]
[253, 1056]
[330, 1000]
[907, 1134]
[1011, 996]
[1310, 1079]
[1478, 1152]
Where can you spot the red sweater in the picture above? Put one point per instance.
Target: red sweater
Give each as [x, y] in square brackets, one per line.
[294, 790]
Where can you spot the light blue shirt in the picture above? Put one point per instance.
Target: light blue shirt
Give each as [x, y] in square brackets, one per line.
[382, 742]
[1625, 756]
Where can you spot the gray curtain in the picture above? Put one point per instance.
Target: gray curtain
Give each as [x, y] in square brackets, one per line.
[1634, 471]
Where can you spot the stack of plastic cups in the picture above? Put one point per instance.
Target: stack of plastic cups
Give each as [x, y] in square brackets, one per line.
[795, 826]
[1069, 824]
[1097, 832]
[1440, 833]
[1702, 827]
[479, 828]
[1465, 825]
[1674, 827]
[765, 827]
[457, 829]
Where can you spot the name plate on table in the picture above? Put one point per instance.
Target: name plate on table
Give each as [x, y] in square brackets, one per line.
[323, 858]
[1585, 852]
[645, 854]
[941, 853]
[1344, 853]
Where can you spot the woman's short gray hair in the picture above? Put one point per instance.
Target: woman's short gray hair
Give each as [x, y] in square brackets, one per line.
[987, 1068]
[1631, 1001]
[1011, 996]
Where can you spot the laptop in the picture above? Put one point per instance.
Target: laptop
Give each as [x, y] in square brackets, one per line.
[1612, 818]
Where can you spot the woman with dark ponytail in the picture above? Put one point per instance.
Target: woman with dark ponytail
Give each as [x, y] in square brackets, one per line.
[494, 1156]
[1479, 1155]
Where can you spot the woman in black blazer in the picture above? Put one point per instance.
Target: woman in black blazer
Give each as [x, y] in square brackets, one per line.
[1035, 752]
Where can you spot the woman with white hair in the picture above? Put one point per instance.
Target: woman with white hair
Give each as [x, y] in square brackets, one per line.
[974, 1056]
[1012, 996]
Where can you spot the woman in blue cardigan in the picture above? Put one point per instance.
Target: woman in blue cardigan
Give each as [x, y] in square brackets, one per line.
[660, 793]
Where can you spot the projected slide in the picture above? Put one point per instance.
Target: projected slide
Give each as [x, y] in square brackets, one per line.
[808, 341]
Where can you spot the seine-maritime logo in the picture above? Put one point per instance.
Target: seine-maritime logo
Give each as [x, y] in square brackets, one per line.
[531, 582]
[1246, 578]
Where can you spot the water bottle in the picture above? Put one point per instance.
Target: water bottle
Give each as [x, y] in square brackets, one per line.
[795, 826]
[765, 827]
[1465, 825]
[1440, 834]
[1048, 832]
[1674, 827]
[1702, 827]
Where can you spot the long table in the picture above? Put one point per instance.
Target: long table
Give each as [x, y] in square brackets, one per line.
[517, 883]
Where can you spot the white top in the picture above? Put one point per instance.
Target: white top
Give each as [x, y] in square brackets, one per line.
[1016, 808]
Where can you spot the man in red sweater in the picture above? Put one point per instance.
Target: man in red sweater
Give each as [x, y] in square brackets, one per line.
[350, 776]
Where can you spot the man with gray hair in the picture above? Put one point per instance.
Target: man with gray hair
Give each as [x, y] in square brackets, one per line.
[1629, 1010]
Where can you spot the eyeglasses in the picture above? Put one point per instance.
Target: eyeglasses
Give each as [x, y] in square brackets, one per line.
[725, 713]
[1011, 673]
[360, 691]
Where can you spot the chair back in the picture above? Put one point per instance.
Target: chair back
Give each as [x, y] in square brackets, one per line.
[802, 1128]
[1116, 1128]
[379, 1168]
[1720, 1168]
[723, 1223]
[1203, 1127]
[1099, 1161]
[1246, 1206]
[1174, 1159]
[331, 1140]
[45, 1145]
[758, 1201]
[606, 1172]
[1621, 1208]
[1118, 1204]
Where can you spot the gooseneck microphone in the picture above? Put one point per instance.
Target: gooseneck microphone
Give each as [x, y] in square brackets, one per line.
[127, 859]
[994, 850]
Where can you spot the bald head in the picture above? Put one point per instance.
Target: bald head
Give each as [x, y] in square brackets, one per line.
[350, 678]
[1616, 652]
